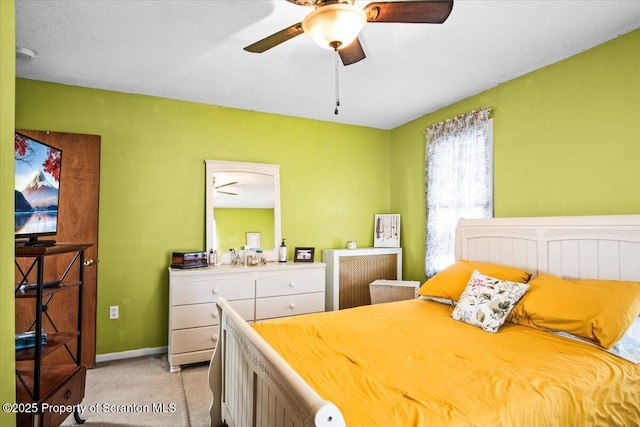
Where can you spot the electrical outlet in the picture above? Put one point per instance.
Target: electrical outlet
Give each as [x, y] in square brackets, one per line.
[113, 312]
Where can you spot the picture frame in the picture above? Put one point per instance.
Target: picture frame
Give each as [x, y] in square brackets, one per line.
[253, 239]
[303, 254]
[386, 231]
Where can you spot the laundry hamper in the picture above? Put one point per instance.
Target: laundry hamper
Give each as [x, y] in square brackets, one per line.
[392, 290]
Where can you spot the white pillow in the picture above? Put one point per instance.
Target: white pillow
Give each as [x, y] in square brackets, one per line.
[486, 301]
[446, 301]
[627, 347]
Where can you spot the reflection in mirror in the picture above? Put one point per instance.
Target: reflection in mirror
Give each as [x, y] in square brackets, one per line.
[243, 206]
[243, 203]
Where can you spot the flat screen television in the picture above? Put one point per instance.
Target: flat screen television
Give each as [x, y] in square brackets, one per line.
[37, 190]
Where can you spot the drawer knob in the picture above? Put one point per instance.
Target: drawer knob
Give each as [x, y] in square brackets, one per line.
[214, 338]
[292, 305]
[214, 291]
[214, 314]
[67, 394]
[292, 284]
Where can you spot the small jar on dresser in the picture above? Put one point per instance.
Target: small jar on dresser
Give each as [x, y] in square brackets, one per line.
[256, 292]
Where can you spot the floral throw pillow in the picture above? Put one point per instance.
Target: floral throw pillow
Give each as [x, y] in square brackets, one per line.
[486, 301]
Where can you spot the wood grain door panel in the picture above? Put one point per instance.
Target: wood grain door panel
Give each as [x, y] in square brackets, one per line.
[77, 222]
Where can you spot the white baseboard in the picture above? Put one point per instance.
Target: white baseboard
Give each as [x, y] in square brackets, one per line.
[130, 354]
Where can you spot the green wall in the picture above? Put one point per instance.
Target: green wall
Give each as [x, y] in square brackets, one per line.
[566, 142]
[232, 224]
[334, 179]
[7, 116]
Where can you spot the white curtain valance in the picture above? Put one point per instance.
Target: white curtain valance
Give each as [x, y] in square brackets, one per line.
[461, 123]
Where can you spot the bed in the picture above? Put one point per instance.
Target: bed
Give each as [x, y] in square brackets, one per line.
[410, 363]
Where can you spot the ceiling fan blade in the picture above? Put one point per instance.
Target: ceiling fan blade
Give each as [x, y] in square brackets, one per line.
[275, 39]
[420, 12]
[228, 183]
[352, 53]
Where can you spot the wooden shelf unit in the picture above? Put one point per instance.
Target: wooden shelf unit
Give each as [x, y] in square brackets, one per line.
[51, 383]
[21, 293]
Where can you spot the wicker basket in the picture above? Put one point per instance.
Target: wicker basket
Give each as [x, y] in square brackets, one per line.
[392, 290]
[357, 272]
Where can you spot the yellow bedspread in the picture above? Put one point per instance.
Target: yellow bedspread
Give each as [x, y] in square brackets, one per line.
[409, 364]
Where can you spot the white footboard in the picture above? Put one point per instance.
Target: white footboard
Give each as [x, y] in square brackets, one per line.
[253, 386]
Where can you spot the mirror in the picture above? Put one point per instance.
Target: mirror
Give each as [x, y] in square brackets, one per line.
[242, 206]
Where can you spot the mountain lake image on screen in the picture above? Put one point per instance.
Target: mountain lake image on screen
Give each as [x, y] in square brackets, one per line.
[37, 188]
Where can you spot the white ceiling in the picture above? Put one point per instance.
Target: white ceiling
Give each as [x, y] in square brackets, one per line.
[243, 190]
[192, 50]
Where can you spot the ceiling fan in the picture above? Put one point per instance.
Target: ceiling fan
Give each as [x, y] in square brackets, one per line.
[224, 185]
[335, 24]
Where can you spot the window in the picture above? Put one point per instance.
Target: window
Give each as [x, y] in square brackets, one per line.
[459, 181]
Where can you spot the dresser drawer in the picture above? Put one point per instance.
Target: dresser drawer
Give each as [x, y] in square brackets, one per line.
[263, 292]
[209, 290]
[194, 339]
[70, 393]
[289, 305]
[195, 315]
[292, 282]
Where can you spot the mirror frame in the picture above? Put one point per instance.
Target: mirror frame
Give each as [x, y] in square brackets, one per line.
[213, 166]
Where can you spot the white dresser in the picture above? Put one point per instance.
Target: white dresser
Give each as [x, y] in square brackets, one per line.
[256, 293]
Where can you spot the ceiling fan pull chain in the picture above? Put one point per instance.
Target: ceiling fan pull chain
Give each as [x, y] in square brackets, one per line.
[337, 83]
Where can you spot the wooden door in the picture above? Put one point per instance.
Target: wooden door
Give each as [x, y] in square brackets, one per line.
[77, 223]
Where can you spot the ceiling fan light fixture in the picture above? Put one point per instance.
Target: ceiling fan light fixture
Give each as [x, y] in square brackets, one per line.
[334, 26]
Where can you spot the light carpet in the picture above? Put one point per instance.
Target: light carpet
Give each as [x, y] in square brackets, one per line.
[142, 392]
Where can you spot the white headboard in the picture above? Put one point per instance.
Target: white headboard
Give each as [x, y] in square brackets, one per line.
[578, 247]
